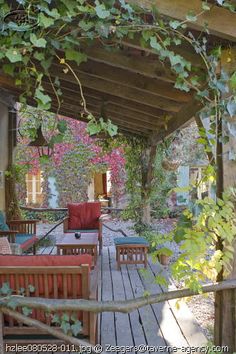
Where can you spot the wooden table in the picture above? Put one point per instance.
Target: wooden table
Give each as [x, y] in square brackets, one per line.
[88, 243]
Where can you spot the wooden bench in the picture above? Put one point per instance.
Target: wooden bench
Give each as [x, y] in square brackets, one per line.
[61, 281]
[131, 250]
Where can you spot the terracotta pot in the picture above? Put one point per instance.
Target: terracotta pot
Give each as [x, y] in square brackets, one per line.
[164, 260]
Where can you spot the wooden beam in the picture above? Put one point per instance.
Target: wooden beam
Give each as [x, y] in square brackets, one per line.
[220, 21]
[131, 79]
[141, 64]
[124, 118]
[121, 102]
[68, 100]
[119, 90]
[187, 113]
[185, 50]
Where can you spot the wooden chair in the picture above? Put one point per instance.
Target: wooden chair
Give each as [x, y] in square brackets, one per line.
[22, 232]
[85, 218]
[54, 277]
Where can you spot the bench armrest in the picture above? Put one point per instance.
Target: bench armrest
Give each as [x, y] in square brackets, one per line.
[94, 280]
[8, 232]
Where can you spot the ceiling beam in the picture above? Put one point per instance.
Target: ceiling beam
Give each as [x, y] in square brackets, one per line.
[116, 89]
[111, 113]
[131, 79]
[178, 120]
[141, 64]
[185, 50]
[220, 21]
[124, 103]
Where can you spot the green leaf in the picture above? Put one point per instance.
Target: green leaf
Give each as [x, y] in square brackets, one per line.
[75, 55]
[111, 129]
[93, 128]
[45, 21]
[37, 42]
[191, 16]
[13, 55]
[101, 10]
[76, 328]
[39, 56]
[26, 311]
[8, 69]
[205, 6]
[233, 81]
[12, 304]
[44, 99]
[174, 24]
[65, 326]
[231, 108]
[31, 288]
[62, 126]
[44, 159]
[86, 25]
[56, 319]
[5, 289]
[154, 44]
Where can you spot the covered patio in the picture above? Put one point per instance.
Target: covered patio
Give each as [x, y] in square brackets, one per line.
[124, 80]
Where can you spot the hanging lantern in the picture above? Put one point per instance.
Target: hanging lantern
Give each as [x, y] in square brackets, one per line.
[42, 144]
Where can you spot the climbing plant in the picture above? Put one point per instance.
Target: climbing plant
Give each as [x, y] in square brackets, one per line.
[63, 30]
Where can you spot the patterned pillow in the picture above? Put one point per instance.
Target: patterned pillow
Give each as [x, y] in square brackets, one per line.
[5, 246]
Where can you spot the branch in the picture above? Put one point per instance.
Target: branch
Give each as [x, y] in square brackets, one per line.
[111, 306]
[37, 324]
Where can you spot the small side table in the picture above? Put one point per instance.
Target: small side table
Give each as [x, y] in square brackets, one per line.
[131, 250]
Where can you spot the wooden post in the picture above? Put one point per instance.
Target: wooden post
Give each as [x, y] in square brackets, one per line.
[225, 301]
[147, 168]
[12, 207]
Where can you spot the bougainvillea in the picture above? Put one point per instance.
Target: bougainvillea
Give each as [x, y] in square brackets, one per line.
[73, 164]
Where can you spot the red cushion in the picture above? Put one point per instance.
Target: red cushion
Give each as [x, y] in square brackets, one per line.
[44, 261]
[84, 216]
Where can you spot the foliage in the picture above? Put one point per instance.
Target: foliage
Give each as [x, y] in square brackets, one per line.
[198, 235]
[74, 161]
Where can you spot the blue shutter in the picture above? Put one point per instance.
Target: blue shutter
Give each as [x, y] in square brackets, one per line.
[183, 181]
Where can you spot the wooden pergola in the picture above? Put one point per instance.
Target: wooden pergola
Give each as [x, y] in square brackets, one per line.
[129, 85]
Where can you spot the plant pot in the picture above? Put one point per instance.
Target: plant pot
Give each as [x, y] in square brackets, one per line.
[170, 165]
[164, 260]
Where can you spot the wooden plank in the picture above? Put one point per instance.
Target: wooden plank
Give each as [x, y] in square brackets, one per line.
[178, 120]
[167, 321]
[187, 322]
[122, 323]
[108, 335]
[147, 318]
[136, 327]
[124, 59]
[131, 79]
[185, 50]
[67, 82]
[220, 21]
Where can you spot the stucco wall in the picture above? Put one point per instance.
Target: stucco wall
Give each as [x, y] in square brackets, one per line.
[3, 148]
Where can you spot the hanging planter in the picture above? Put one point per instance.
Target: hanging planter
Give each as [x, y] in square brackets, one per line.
[170, 165]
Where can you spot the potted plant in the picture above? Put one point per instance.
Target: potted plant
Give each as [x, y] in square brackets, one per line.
[160, 245]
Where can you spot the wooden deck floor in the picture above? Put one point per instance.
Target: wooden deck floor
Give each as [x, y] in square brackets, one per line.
[154, 325]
